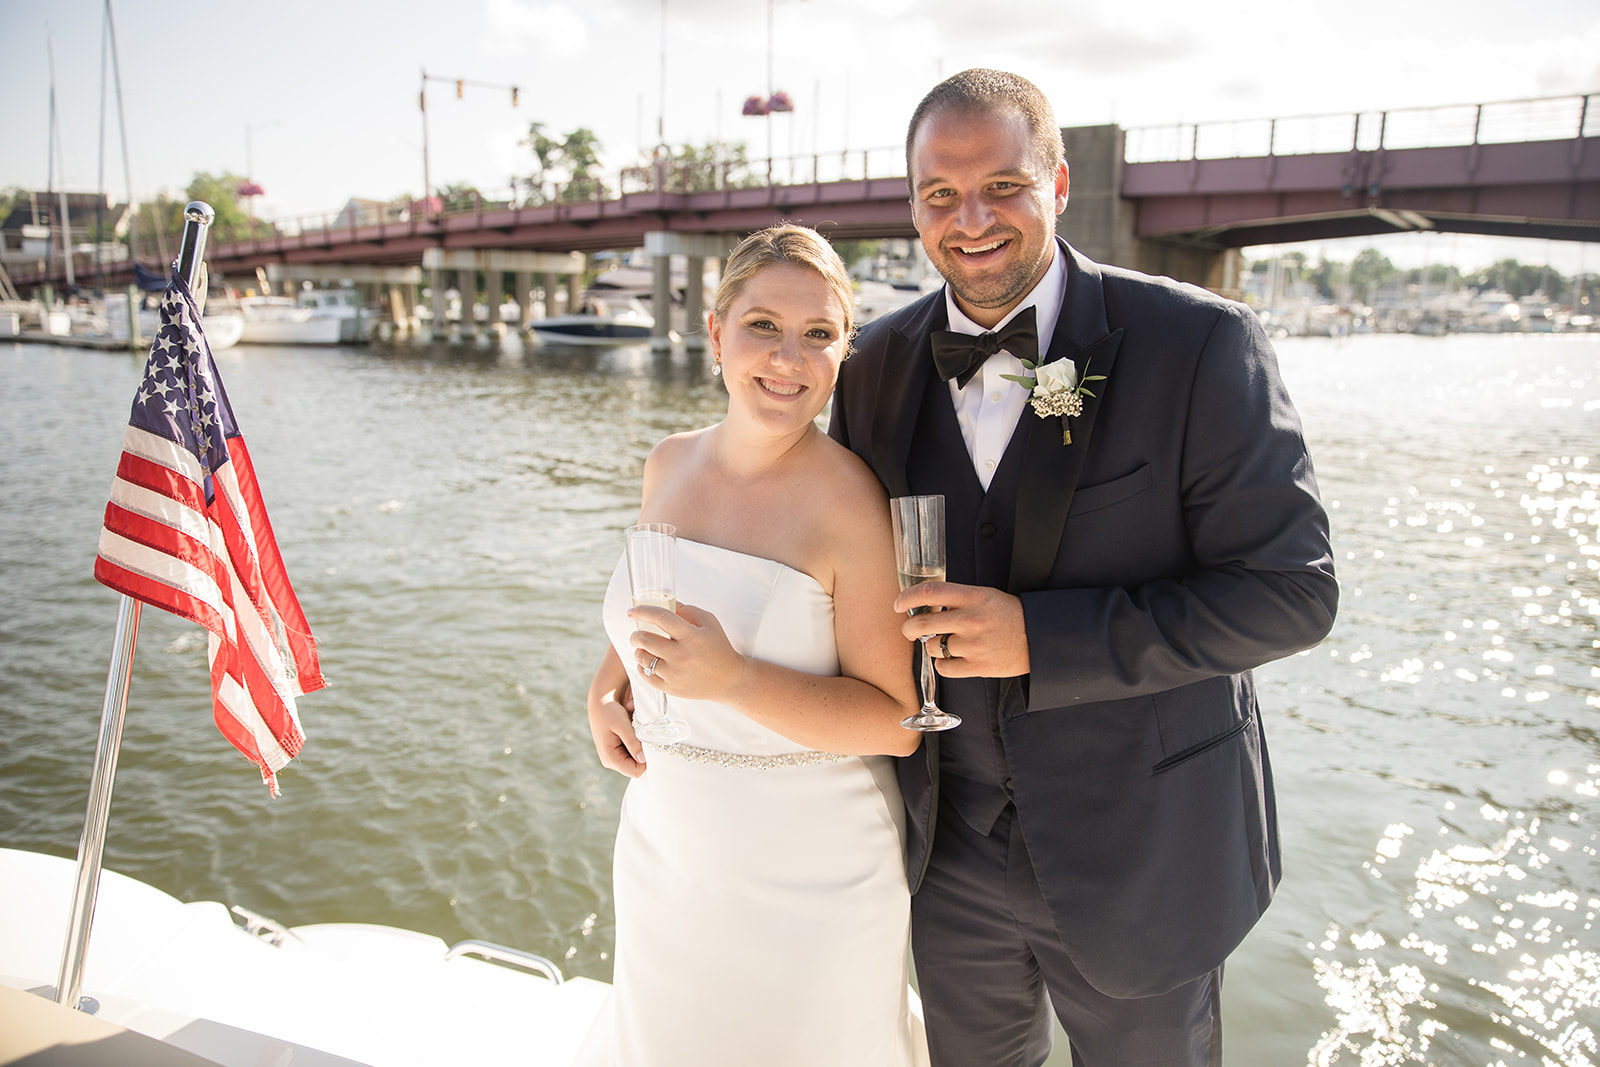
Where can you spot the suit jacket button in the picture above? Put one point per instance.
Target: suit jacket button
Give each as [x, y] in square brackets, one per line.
[988, 529]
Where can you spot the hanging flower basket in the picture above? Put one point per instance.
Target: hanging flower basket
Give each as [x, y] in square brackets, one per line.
[754, 105]
[780, 102]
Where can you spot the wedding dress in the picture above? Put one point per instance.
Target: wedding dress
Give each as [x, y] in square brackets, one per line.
[761, 903]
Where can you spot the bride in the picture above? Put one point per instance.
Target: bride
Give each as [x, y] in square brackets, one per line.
[759, 879]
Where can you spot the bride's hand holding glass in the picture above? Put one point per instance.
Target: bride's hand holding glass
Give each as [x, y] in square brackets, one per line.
[686, 654]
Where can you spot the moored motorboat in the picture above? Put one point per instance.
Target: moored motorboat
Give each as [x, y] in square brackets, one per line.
[356, 323]
[278, 320]
[223, 326]
[239, 989]
[596, 323]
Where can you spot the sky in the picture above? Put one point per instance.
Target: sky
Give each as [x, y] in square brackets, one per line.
[317, 100]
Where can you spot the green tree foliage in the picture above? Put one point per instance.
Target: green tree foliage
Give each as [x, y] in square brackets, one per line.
[459, 197]
[566, 170]
[1368, 273]
[701, 168]
[218, 191]
[1520, 279]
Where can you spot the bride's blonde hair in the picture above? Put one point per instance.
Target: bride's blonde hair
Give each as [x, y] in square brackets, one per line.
[799, 245]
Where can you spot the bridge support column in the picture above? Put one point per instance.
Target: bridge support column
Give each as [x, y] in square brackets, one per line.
[399, 311]
[575, 289]
[1099, 223]
[436, 303]
[547, 295]
[694, 298]
[494, 283]
[495, 265]
[661, 301]
[662, 245]
[522, 293]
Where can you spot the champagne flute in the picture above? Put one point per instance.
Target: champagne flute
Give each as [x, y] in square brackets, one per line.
[919, 557]
[652, 580]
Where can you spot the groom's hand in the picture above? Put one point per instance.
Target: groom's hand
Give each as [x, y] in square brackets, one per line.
[988, 635]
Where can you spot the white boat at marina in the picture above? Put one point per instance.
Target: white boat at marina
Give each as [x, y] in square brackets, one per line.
[238, 989]
[223, 326]
[356, 323]
[597, 323]
[279, 320]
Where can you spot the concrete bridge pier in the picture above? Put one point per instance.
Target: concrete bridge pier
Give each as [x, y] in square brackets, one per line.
[495, 264]
[395, 286]
[522, 293]
[494, 283]
[696, 248]
[547, 295]
[1099, 223]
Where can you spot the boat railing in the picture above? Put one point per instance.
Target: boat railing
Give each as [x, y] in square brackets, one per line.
[488, 950]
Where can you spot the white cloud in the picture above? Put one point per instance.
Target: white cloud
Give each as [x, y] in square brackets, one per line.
[512, 27]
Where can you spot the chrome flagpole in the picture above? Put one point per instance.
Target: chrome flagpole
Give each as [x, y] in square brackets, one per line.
[91, 846]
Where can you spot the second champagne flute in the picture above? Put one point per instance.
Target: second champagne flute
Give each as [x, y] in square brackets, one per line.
[919, 557]
[652, 581]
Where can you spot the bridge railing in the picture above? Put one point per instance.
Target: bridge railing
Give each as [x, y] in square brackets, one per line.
[1555, 118]
[861, 164]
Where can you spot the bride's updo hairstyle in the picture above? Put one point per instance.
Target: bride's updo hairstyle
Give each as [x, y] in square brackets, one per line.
[786, 244]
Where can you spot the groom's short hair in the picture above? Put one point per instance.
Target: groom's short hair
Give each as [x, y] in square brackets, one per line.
[983, 91]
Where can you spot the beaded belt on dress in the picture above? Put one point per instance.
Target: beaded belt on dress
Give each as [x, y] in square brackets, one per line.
[745, 761]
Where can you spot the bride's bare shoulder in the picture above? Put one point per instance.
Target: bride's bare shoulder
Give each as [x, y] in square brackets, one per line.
[673, 452]
[855, 498]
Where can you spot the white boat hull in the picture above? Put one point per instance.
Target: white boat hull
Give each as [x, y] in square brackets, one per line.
[309, 332]
[327, 995]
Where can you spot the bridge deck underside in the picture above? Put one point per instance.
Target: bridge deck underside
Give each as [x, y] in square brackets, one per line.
[1545, 189]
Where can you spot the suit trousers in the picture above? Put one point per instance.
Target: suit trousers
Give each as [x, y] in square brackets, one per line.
[990, 966]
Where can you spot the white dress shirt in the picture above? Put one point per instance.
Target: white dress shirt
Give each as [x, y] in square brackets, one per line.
[989, 407]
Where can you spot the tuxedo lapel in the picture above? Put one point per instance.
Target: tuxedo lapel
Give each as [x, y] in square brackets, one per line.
[1050, 468]
[903, 377]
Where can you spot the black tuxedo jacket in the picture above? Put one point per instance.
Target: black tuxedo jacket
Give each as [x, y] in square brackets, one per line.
[1175, 544]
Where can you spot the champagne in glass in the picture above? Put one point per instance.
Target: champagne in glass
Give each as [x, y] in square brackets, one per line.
[652, 580]
[919, 557]
[655, 598]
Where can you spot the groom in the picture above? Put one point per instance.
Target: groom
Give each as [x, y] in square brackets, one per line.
[1100, 832]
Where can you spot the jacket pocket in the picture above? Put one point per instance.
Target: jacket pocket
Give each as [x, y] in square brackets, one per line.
[1089, 498]
[1204, 746]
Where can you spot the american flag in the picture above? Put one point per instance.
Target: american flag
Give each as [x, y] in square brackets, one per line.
[186, 531]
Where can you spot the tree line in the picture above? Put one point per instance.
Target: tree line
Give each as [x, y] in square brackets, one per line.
[1371, 271]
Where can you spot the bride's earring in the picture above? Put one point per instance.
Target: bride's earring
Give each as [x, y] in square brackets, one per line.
[716, 367]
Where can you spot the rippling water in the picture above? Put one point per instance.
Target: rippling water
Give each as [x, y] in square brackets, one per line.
[449, 517]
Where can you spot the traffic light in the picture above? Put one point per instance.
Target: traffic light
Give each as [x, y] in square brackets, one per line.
[459, 83]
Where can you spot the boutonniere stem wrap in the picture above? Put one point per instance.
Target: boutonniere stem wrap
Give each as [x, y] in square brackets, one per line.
[1057, 391]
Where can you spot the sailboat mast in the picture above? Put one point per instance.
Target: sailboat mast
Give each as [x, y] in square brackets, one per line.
[100, 179]
[122, 130]
[56, 153]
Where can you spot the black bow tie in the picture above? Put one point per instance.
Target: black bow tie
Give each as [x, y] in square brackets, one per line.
[959, 355]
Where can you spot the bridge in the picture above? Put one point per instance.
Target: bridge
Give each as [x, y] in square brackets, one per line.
[1176, 200]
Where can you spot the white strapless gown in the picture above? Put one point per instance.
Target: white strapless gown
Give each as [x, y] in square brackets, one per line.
[762, 911]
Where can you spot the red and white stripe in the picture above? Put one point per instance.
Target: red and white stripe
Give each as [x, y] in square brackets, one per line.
[220, 566]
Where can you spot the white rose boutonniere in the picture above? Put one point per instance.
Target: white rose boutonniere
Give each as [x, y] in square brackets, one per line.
[1057, 390]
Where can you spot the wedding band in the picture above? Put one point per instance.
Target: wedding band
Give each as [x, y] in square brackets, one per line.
[944, 647]
[650, 669]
